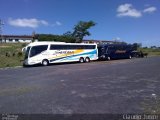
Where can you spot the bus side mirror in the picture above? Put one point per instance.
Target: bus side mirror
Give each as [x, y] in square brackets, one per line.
[24, 49]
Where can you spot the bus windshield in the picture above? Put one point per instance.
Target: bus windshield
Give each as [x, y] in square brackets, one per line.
[35, 50]
[27, 53]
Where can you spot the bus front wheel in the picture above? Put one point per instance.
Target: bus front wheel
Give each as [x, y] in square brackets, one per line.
[45, 62]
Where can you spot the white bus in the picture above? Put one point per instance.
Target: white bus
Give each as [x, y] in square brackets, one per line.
[56, 52]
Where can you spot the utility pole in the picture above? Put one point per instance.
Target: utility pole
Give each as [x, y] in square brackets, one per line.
[1, 31]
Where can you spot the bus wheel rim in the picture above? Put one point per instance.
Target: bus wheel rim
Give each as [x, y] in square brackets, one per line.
[87, 60]
[45, 62]
[81, 60]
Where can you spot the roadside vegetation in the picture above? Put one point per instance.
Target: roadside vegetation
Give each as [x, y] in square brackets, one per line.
[151, 105]
[80, 30]
[152, 51]
[11, 54]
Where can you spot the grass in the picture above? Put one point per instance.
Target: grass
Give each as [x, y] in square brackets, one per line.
[150, 51]
[151, 105]
[10, 54]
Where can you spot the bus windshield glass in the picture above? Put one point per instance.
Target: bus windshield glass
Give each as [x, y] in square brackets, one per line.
[35, 50]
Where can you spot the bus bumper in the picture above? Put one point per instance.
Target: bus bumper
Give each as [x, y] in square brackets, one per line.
[25, 63]
[28, 63]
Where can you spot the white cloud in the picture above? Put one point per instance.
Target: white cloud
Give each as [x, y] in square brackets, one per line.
[124, 7]
[32, 23]
[44, 22]
[150, 10]
[117, 38]
[128, 10]
[57, 23]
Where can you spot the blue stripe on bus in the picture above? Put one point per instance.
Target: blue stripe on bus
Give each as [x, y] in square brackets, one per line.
[67, 57]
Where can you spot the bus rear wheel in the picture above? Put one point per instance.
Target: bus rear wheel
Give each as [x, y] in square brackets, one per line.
[81, 60]
[87, 59]
[45, 62]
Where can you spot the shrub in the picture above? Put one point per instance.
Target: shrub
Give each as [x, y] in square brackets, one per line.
[19, 54]
[8, 54]
[13, 54]
[23, 45]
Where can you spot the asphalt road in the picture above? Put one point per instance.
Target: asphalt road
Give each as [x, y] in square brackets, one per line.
[119, 86]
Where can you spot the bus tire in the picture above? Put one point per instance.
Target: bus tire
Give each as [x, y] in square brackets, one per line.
[45, 62]
[87, 59]
[81, 60]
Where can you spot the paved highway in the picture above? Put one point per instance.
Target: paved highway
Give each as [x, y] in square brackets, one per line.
[119, 86]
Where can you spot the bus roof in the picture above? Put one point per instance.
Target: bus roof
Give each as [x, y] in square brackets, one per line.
[122, 44]
[46, 43]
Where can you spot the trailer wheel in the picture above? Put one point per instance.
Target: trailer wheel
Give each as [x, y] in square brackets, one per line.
[45, 62]
[81, 60]
[87, 59]
[130, 57]
[108, 58]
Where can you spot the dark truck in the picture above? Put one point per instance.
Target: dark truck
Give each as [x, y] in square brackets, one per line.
[117, 51]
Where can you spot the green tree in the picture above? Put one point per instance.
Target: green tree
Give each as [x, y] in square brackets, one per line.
[60, 38]
[81, 30]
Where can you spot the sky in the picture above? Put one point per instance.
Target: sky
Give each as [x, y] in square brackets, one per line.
[131, 21]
